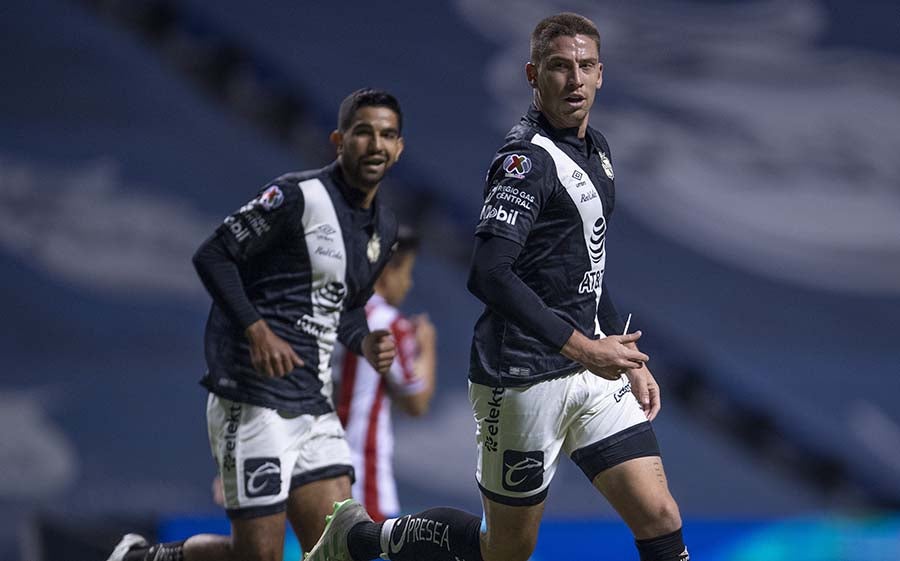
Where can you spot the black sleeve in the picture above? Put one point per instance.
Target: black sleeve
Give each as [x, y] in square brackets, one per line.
[276, 212]
[492, 280]
[353, 328]
[607, 317]
[220, 276]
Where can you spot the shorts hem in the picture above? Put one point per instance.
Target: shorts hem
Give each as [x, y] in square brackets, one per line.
[530, 500]
[637, 441]
[318, 474]
[247, 512]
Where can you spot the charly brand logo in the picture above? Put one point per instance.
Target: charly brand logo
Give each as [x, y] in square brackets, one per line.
[516, 165]
[262, 476]
[598, 240]
[523, 471]
[622, 392]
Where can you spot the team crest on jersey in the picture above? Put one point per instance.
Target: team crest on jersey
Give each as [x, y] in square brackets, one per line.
[373, 249]
[607, 165]
[271, 198]
[516, 165]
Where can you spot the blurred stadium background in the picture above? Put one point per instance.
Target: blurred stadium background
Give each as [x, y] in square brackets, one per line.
[757, 243]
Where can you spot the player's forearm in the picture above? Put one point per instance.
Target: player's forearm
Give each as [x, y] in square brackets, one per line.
[222, 279]
[493, 281]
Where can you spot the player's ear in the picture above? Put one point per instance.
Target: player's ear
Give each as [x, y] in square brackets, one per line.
[599, 74]
[531, 74]
[337, 138]
[399, 148]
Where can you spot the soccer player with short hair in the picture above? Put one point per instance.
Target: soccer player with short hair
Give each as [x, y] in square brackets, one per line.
[366, 398]
[551, 369]
[289, 274]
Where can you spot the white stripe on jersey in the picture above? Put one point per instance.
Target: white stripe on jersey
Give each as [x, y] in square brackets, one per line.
[328, 262]
[591, 212]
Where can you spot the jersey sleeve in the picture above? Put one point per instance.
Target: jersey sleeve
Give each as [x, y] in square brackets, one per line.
[519, 183]
[261, 223]
[402, 376]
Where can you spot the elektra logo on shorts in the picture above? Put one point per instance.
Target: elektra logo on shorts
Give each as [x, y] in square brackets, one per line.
[523, 471]
[262, 477]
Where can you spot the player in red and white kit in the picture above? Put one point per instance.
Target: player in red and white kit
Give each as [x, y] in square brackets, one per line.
[365, 397]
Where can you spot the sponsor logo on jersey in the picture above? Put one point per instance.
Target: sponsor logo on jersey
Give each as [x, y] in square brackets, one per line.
[237, 228]
[329, 252]
[490, 428]
[516, 165]
[511, 194]
[499, 213]
[591, 281]
[262, 477]
[607, 165]
[523, 471]
[585, 197]
[373, 248]
[598, 240]
[577, 175]
[271, 198]
[329, 298]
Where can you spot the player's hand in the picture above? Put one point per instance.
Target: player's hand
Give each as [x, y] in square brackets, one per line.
[646, 390]
[426, 335]
[271, 355]
[609, 357]
[379, 349]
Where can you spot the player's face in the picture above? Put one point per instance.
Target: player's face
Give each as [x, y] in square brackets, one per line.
[566, 80]
[369, 147]
[396, 279]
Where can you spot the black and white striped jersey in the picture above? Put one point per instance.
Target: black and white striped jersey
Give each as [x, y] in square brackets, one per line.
[551, 193]
[308, 260]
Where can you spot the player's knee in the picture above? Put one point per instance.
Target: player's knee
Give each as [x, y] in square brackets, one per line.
[519, 549]
[663, 518]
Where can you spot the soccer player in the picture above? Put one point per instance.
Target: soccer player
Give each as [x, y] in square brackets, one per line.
[364, 405]
[289, 274]
[551, 370]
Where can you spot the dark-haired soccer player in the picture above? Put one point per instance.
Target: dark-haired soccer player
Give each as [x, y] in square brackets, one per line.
[550, 369]
[289, 274]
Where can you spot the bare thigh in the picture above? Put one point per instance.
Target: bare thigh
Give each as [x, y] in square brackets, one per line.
[308, 505]
[253, 539]
[639, 492]
[512, 531]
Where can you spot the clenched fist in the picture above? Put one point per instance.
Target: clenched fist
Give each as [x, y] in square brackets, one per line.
[379, 349]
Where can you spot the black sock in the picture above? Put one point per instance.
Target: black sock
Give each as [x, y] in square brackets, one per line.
[364, 541]
[172, 551]
[438, 534]
[669, 547]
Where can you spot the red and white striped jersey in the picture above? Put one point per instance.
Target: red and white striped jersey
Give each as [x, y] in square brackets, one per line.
[364, 408]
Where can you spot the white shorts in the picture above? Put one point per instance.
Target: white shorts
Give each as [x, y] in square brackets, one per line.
[253, 446]
[521, 430]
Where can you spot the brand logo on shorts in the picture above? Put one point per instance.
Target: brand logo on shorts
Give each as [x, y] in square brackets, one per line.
[522, 471]
[262, 476]
[622, 392]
